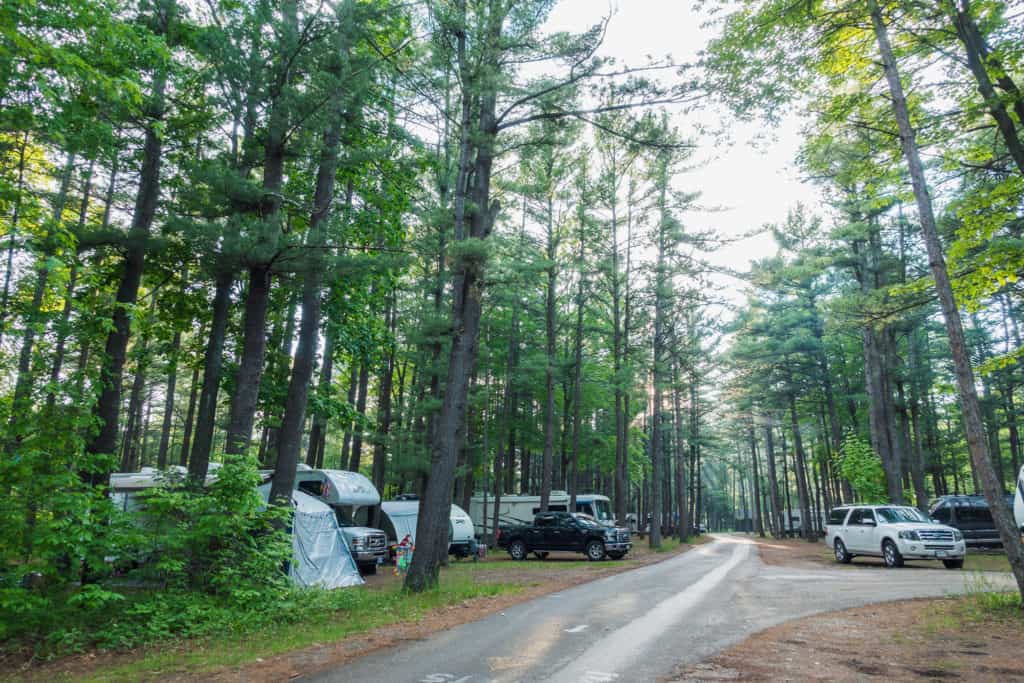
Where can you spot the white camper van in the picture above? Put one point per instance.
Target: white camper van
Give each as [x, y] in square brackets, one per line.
[351, 496]
[1018, 501]
[401, 516]
[513, 510]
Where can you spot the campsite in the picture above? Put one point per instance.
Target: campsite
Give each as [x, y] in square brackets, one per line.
[612, 337]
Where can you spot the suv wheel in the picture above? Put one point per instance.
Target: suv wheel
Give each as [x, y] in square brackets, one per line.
[842, 555]
[517, 549]
[891, 554]
[595, 551]
[954, 564]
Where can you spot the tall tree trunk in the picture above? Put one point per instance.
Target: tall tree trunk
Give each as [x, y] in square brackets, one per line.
[254, 341]
[549, 367]
[1001, 513]
[467, 281]
[773, 481]
[20, 405]
[384, 387]
[186, 438]
[199, 459]
[278, 366]
[172, 380]
[63, 327]
[108, 407]
[357, 432]
[682, 500]
[758, 519]
[318, 432]
[801, 473]
[353, 386]
[290, 440]
[12, 239]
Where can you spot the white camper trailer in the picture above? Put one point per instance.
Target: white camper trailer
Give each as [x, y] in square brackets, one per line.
[401, 516]
[1018, 501]
[125, 486]
[513, 510]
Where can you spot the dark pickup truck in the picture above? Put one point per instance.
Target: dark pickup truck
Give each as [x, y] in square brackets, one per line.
[565, 531]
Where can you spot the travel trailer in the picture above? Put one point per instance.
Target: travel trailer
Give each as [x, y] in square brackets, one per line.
[401, 516]
[515, 510]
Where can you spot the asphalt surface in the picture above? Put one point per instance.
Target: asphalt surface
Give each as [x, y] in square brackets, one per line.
[643, 624]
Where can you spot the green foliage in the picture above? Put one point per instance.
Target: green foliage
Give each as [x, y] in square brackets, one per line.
[222, 541]
[188, 562]
[861, 466]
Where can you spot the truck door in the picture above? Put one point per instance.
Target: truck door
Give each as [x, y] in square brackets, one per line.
[540, 534]
[854, 531]
[870, 541]
[568, 534]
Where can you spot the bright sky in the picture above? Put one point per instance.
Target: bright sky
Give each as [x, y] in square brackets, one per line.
[755, 184]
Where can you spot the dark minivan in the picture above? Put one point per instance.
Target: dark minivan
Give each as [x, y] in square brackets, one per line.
[969, 514]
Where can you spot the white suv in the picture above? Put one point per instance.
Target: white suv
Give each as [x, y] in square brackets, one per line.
[894, 533]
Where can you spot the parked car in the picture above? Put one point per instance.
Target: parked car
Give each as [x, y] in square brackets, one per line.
[969, 514]
[567, 531]
[893, 532]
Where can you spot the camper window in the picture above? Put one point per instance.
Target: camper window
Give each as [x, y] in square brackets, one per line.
[313, 488]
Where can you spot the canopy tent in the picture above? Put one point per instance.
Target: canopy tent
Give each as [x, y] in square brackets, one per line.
[320, 555]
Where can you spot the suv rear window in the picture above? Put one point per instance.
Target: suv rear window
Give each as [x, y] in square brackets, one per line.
[837, 516]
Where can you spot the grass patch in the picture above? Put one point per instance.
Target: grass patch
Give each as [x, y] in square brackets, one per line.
[358, 611]
[986, 561]
[668, 545]
[976, 610]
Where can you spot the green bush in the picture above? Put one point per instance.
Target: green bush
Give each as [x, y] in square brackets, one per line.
[193, 561]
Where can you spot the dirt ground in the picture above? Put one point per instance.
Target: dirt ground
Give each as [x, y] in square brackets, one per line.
[536, 577]
[910, 640]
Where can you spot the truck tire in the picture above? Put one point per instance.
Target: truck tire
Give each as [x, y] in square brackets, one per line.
[843, 556]
[368, 569]
[517, 550]
[891, 554]
[595, 551]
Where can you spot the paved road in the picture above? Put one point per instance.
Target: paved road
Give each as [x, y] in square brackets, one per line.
[642, 624]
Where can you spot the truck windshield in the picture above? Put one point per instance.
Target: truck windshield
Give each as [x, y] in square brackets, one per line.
[603, 511]
[897, 515]
[585, 519]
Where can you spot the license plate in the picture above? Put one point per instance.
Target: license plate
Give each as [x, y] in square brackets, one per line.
[380, 560]
[940, 553]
